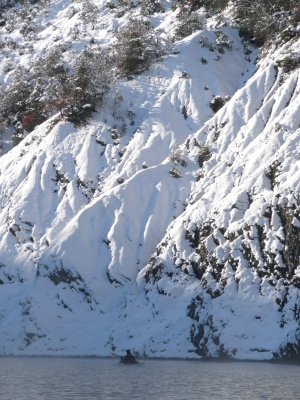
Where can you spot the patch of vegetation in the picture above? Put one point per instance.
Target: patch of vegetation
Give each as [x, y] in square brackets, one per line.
[176, 157]
[217, 103]
[150, 7]
[137, 47]
[188, 22]
[260, 20]
[47, 86]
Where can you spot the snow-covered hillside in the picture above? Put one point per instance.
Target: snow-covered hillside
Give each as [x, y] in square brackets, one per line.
[178, 237]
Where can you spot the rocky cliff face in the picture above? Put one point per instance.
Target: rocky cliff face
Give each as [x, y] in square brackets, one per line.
[169, 222]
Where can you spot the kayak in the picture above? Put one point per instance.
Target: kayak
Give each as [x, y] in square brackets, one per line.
[129, 363]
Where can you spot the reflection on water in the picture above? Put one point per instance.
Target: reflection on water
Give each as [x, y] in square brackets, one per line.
[104, 379]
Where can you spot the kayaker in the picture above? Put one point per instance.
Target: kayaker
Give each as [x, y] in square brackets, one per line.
[128, 359]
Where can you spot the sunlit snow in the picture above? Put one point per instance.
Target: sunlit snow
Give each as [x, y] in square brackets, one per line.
[95, 252]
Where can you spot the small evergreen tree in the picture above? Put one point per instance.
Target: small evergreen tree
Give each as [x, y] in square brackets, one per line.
[217, 103]
[205, 153]
[150, 7]
[137, 47]
[188, 22]
[210, 5]
[128, 4]
[19, 90]
[92, 74]
[52, 62]
[215, 5]
[176, 157]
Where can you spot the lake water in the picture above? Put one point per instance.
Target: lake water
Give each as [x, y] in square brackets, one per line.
[105, 379]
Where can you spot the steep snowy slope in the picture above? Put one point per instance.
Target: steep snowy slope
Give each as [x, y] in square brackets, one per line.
[239, 234]
[102, 248]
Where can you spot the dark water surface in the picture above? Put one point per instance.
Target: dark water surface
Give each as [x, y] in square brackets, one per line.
[92, 378]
